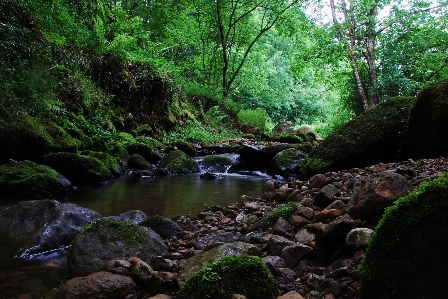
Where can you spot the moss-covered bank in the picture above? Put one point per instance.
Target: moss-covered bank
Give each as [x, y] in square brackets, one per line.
[406, 256]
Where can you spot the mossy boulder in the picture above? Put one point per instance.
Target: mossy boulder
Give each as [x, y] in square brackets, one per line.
[109, 161]
[286, 162]
[78, 167]
[145, 151]
[107, 239]
[177, 162]
[245, 275]
[26, 178]
[217, 163]
[428, 123]
[28, 138]
[375, 136]
[406, 256]
[137, 162]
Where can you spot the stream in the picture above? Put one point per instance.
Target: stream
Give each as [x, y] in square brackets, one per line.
[168, 196]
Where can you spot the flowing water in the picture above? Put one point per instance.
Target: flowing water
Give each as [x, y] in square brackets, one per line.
[166, 196]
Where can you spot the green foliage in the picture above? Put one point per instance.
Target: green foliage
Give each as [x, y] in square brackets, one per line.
[134, 234]
[245, 275]
[284, 211]
[389, 242]
[311, 165]
[255, 117]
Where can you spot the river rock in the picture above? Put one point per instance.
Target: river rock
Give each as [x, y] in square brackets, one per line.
[292, 254]
[108, 239]
[137, 162]
[283, 127]
[325, 196]
[145, 276]
[178, 163]
[133, 216]
[276, 244]
[286, 162]
[198, 262]
[163, 226]
[98, 285]
[358, 237]
[78, 167]
[376, 192]
[251, 156]
[332, 236]
[203, 242]
[37, 226]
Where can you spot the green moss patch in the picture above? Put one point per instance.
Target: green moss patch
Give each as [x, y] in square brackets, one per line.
[177, 162]
[27, 138]
[109, 161]
[133, 233]
[29, 178]
[375, 136]
[285, 211]
[245, 275]
[216, 160]
[406, 254]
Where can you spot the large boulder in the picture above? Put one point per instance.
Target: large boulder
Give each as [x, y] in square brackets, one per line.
[37, 226]
[163, 226]
[98, 285]
[108, 239]
[428, 123]
[28, 138]
[29, 179]
[109, 161]
[375, 136]
[78, 167]
[406, 256]
[177, 162]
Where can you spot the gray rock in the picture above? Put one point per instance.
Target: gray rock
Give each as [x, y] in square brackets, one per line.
[358, 237]
[203, 242]
[145, 276]
[98, 285]
[292, 254]
[109, 239]
[281, 227]
[305, 237]
[163, 226]
[277, 243]
[376, 192]
[283, 127]
[133, 216]
[325, 196]
[37, 226]
[332, 236]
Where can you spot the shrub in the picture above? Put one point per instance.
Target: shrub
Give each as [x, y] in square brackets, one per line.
[257, 117]
[245, 275]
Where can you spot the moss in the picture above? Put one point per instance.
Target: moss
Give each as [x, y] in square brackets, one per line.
[137, 162]
[134, 234]
[177, 162]
[245, 275]
[284, 211]
[286, 157]
[375, 136]
[29, 178]
[311, 166]
[388, 254]
[78, 167]
[289, 138]
[216, 160]
[27, 138]
[110, 162]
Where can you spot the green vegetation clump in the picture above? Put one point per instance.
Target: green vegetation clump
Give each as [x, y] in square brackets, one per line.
[109, 161]
[390, 261]
[137, 162]
[28, 138]
[255, 117]
[312, 165]
[289, 138]
[285, 211]
[375, 136]
[29, 178]
[245, 275]
[134, 233]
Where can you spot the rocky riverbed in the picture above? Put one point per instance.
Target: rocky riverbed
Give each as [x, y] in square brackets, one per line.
[311, 234]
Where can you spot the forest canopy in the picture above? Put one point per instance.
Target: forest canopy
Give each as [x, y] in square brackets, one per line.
[309, 62]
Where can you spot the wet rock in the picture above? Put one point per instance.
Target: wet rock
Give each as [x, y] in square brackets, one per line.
[178, 163]
[286, 162]
[251, 156]
[270, 188]
[109, 239]
[325, 196]
[358, 237]
[298, 221]
[98, 285]
[38, 226]
[292, 254]
[133, 216]
[306, 212]
[276, 244]
[145, 276]
[332, 236]
[281, 227]
[163, 226]
[305, 237]
[282, 193]
[198, 262]
[203, 242]
[317, 181]
[376, 192]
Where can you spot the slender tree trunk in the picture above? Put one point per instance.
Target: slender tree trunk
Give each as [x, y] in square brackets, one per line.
[371, 59]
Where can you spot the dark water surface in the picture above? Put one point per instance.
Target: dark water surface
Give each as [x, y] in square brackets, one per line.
[166, 196]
